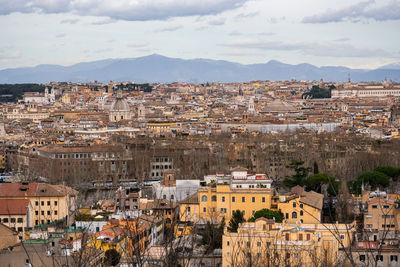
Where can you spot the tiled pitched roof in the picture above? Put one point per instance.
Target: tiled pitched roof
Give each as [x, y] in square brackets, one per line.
[14, 206]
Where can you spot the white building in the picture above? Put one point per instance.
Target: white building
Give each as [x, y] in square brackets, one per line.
[239, 178]
[366, 91]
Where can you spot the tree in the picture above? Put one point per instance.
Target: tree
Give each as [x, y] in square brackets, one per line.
[300, 176]
[316, 170]
[212, 235]
[236, 219]
[268, 214]
[390, 171]
[316, 181]
[374, 179]
[112, 257]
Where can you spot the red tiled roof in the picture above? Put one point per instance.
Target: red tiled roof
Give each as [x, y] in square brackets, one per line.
[34, 189]
[14, 206]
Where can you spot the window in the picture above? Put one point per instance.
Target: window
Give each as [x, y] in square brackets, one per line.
[55, 212]
[48, 212]
[172, 196]
[243, 199]
[263, 199]
[36, 212]
[214, 198]
[227, 243]
[375, 207]
[233, 199]
[42, 212]
[204, 209]
[308, 236]
[362, 258]
[20, 220]
[42, 203]
[393, 258]
[253, 199]
[164, 196]
[294, 215]
[287, 236]
[248, 244]
[258, 244]
[300, 237]
[204, 198]
[243, 212]
[55, 203]
[188, 210]
[379, 257]
[223, 199]
[386, 206]
[294, 204]
[287, 215]
[301, 213]
[342, 237]
[287, 255]
[301, 206]
[36, 203]
[19, 229]
[36, 222]
[13, 220]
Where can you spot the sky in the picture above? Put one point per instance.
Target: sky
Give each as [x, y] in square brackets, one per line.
[356, 34]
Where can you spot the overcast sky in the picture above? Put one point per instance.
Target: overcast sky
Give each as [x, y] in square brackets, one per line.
[353, 33]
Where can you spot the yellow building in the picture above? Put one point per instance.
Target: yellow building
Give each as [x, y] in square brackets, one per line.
[266, 243]
[48, 202]
[301, 206]
[213, 203]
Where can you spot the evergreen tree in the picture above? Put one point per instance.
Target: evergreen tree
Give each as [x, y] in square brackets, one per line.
[236, 219]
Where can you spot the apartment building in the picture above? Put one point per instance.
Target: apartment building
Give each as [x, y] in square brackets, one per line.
[267, 243]
[47, 203]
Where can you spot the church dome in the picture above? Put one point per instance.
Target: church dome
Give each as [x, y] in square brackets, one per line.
[120, 104]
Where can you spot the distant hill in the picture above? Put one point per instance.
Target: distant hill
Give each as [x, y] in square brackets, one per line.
[156, 68]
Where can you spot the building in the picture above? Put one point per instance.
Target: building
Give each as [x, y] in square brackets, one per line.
[16, 214]
[366, 91]
[8, 237]
[267, 243]
[300, 206]
[120, 110]
[381, 216]
[48, 203]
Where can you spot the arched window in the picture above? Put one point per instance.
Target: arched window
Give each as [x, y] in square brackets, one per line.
[172, 196]
[214, 198]
[301, 213]
[204, 198]
[294, 215]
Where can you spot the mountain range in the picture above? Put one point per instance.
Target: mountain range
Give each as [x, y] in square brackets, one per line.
[157, 68]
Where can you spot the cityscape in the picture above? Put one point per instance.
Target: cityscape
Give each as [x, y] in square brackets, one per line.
[199, 146]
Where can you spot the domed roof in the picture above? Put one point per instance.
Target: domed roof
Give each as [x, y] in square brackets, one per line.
[120, 104]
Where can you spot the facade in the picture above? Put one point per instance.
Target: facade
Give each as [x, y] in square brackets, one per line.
[120, 110]
[301, 206]
[8, 237]
[16, 214]
[266, 243]
[367, 91]
[48, 203]
[381, 216]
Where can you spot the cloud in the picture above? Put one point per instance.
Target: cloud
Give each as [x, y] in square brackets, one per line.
[267, 33]
[69, 21]
[217, 22]
[275, 20]
[235, 33]
[344, 39]
[310, 48]
[357, 12]
[7, 55]
[138, 44]
[132, 10]
[104, 21]
[61, 35]
[246, 15]
[170, 28]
